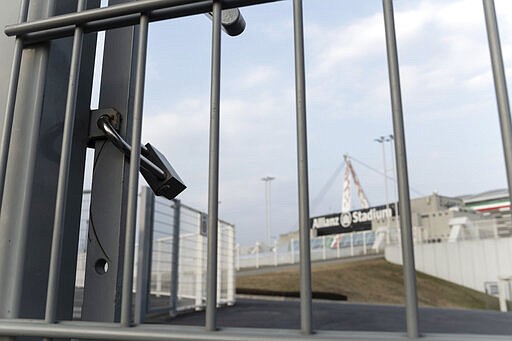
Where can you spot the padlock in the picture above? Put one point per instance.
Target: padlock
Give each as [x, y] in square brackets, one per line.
[154, 167]
[168, 186]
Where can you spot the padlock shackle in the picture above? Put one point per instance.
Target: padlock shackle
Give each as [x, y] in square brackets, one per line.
[113, 136]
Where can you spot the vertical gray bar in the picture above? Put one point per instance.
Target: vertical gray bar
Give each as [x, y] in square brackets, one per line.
[103, 289]
[25, 176]
[302, 167]
[15, 217]
[11, 100]
[175, 256]
[213, 173]
[147, 207]
[62, 184]
[411, 300]
[500, 85]
[32, 169]
[133, 186]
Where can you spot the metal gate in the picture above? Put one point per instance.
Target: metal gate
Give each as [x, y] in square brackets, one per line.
[42, 156]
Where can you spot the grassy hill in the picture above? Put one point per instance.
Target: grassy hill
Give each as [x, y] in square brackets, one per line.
[369, 281]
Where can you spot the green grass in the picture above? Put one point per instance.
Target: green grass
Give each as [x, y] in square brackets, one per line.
[370, 281]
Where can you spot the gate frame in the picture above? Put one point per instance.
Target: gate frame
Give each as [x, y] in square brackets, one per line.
[141, 13]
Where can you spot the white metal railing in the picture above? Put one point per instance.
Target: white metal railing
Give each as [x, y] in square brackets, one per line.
[355, 244]
[322, 248]
[191, 292]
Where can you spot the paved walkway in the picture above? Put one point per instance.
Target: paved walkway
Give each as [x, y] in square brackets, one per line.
[285, 314]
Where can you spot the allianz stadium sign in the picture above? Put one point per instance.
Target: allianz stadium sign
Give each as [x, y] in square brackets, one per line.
[356, 220]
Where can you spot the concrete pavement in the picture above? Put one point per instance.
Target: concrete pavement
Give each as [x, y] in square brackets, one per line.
[285, 314]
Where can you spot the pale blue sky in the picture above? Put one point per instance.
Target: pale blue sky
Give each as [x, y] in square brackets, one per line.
[452, 132]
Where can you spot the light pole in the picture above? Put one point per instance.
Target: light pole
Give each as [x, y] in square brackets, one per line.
[267, 181]
[382, 140]
[391, 141]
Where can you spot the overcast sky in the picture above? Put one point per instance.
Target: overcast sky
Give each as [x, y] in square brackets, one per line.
[452, 132]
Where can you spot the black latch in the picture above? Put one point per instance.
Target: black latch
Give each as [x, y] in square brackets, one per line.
[154, 167]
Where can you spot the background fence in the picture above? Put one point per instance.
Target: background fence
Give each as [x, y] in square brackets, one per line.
[322, 248]
[189, 272]
[365, 242]
[176, 272]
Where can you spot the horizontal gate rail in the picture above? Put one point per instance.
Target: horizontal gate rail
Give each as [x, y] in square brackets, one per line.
[111, 331]
[116, 16]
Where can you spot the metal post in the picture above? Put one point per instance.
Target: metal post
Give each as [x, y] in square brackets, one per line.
[364, 242]
[175, 256]
[158, 268]
[77, 155]
[503, 287]
[292, 251]
[13, 256]
[257, 254]
[411, 300]
[11, 100]
[391, 140]
[147, 208]
[219, 267]
[133, 179]
[231, 280]
[352, 243]
[500, 85]
[302, 165]
[268, 206]
[338, 248]
[275, 252]
[213, 173]
[62, 184]
[324, 254]
[25, 225]
[102, 291]
[237, 261]
[199, 268]
[382, 140]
